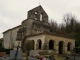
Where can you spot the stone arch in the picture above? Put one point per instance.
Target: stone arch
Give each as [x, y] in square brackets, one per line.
[36, 15]
[69, 46]
[51, 44]
[39, 43]
[61, 44]
[33, 42]
[41, 17]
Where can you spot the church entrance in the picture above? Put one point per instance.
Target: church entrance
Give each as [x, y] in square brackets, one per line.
[60, 47]
[51, 44]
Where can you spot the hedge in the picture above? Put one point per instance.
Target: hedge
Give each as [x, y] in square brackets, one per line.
[6, 50]
[77, 49]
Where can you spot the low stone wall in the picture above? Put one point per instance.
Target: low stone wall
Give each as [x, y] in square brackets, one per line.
[41, 52]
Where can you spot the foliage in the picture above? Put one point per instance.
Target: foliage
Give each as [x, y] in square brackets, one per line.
[29, 46]
[77, 49]
[54, 26]
[5, 50]
[77, 42]
[0, 44]
[69, 27]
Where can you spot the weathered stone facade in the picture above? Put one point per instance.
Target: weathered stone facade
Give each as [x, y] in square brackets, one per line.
[9, 37]
[36, 22]
[36, 28]
[38, 14]
[53, 42]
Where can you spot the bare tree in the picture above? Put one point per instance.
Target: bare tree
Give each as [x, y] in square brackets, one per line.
[69, 20]
[54, 26]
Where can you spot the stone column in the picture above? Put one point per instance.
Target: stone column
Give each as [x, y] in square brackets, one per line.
[56, 47]
[35, 46]
[42, 46]
[65, 48]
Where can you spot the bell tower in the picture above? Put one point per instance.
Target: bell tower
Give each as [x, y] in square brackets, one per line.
[38, 13]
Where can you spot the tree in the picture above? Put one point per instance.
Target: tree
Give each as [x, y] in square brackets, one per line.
[0, 44]
[77, 41]
[54, 26]
[69, 20]
[77, 27]
[62, 28]
[29, 45]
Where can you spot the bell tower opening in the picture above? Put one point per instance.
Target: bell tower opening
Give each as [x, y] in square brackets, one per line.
[40, 17]
[36, 15]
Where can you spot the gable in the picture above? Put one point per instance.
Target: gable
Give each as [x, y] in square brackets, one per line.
[38, 14]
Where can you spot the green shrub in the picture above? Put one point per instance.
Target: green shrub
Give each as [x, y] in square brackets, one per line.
[6, 50]
[77, 49]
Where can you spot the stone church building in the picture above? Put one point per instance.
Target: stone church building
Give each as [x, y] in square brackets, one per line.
[37, 29]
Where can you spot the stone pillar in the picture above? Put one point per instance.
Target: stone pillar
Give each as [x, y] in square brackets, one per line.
[72, 46]
[42, 46]
[56, 49]
[35, 46]
[65, 48]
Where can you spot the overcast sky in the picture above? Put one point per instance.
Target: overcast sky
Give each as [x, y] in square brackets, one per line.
[13, 12]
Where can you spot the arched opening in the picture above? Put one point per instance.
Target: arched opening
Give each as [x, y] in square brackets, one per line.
[39, 44]
[51, 44]
[68, 46]
[61, 47]
[40, 17]
[36, 15]
[32, 44]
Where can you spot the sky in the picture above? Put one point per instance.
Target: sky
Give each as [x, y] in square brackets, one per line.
[13, 12]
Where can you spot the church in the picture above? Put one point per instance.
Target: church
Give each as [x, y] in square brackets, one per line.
[36, 28]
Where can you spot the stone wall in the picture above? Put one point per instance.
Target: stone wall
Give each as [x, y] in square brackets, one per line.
[45, 38]
[38, 13]
[9, 37]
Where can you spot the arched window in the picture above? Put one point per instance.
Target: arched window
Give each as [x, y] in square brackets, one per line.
[69, 46]
[39, 44]
[61, 47]
[32, 44]
[40, 17]
[51, 44]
